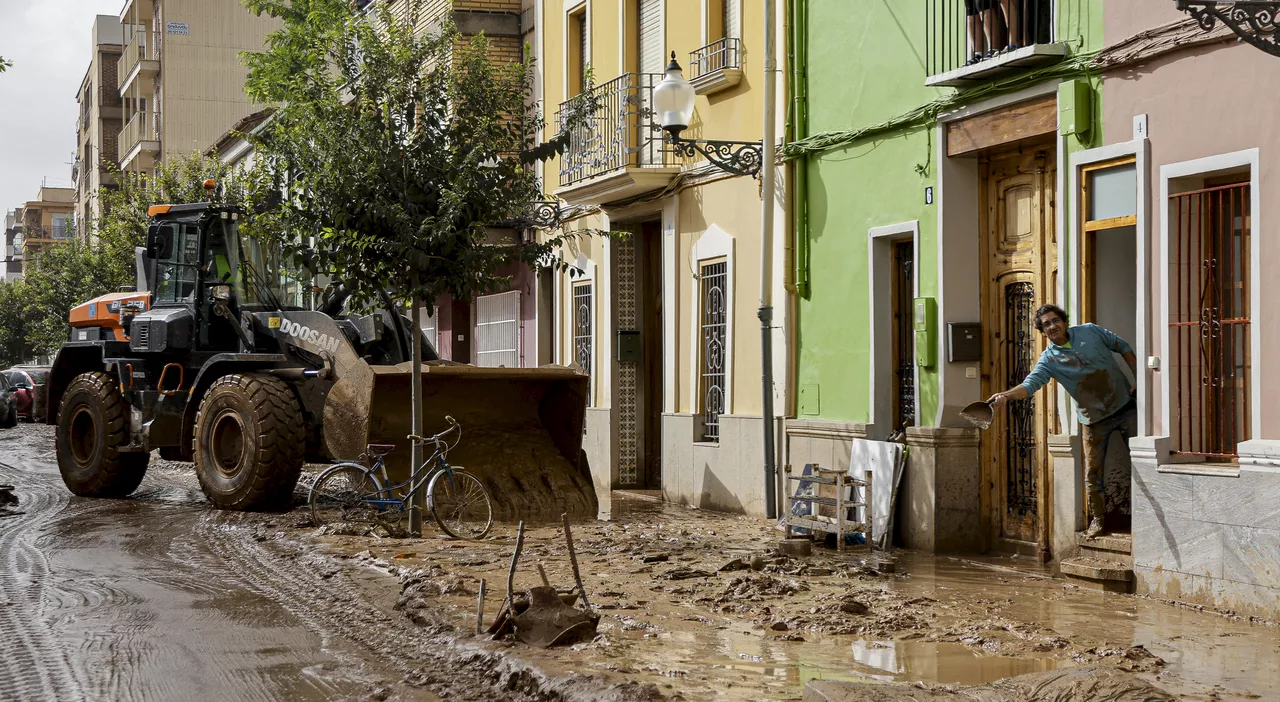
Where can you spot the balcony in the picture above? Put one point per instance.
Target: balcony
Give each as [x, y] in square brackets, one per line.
[135, 10]
[716, 66]
[963, 50]
[138, 145]
[618, 151]
[109, 104]
[140, 61]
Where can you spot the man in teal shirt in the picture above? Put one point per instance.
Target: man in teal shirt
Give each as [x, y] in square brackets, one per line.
[1080, 358]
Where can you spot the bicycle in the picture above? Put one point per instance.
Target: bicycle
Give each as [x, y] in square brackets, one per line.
[351, 492]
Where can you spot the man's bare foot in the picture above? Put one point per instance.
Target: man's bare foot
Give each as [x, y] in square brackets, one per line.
[1095, 528]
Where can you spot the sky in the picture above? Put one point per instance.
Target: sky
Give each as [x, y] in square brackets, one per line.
[49, 43]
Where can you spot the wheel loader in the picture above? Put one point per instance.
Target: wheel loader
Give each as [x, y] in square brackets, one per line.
[212, 360]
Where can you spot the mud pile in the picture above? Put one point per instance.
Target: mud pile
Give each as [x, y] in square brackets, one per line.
[1070, 685]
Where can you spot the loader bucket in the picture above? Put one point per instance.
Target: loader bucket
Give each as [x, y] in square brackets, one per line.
[521, 430]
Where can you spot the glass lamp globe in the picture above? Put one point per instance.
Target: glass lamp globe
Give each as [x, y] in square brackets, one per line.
[673, 99]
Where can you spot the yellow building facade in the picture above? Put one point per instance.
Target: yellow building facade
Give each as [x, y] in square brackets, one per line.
[663, 312]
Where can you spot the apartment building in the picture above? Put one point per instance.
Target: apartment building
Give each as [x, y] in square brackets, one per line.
[98, 128]
[180, 78]
[664, 318]
[46, 220]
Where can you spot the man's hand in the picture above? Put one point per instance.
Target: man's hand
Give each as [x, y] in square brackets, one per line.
[998, 400]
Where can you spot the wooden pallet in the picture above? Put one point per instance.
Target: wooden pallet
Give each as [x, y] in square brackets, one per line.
[840, 524]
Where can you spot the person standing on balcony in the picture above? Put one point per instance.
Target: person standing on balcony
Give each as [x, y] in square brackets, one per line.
[1080, 358]
[980, 16]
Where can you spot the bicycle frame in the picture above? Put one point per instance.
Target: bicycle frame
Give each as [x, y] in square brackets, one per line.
[417, 480]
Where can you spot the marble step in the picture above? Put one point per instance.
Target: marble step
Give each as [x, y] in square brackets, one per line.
[1098, 573]
[1106, 545]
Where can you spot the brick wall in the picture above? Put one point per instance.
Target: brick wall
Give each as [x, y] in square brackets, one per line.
[512, 6]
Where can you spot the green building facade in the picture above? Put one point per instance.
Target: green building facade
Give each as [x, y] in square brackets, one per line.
[927, 197]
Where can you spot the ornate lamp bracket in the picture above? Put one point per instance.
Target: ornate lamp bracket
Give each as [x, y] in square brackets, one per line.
[737, 157]
[1254, 21]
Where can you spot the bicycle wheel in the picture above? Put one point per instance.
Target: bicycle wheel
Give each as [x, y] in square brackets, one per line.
[342, 495]
[461, 505]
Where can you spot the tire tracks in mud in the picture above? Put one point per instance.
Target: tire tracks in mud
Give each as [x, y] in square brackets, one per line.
[311, 588]
[33, 662]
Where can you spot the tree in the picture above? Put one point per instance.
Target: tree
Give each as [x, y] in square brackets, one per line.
[56, 279]
[400, 148]
[4, 65]
[15, 346]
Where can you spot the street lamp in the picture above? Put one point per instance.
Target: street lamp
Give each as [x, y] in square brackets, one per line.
[673, 102]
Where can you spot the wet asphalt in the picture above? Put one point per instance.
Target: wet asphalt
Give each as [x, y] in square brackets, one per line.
[160, 597]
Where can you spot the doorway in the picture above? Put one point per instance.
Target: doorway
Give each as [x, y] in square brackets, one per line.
[639, 355]
[1019, 255]
[461, 341]
[1109, 298]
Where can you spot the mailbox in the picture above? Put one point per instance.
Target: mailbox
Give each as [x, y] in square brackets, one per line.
[629, 346]
[964, 342]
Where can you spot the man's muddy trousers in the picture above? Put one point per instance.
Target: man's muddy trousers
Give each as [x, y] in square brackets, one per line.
[1096, 438]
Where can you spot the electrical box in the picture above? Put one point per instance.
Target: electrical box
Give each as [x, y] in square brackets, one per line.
[629, 346]
[926, 313]
[964, 342]
[1075, 107]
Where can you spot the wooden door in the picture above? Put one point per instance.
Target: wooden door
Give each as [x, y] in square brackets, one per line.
[650, 303]
[1020, 262]
[461, 344]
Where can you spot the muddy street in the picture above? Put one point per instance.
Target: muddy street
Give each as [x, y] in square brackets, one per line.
[161, 597]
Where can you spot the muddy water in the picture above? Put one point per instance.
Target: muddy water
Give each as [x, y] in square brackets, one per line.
[748, 635]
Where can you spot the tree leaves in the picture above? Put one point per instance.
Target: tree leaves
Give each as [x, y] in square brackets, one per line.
[403, 147]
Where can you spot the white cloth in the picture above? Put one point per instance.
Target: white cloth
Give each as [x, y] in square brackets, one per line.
[885, 461]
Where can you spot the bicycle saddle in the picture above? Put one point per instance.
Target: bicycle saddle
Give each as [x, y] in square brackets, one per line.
[379, 449]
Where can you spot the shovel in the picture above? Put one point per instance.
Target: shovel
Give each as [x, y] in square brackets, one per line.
[979, 414]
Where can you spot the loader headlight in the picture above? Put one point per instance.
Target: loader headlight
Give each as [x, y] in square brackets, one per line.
[220, 292]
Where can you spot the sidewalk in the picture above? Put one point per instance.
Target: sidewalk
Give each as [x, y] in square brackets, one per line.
[699, 604]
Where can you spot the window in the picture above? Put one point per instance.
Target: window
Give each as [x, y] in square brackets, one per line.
[1210, 325]
[904, 361]
[579, 55]
[714, 318]
[498, 330]
[582, 326]
[176, 275]
[60, 227]
[1110, 206]
[430, 330]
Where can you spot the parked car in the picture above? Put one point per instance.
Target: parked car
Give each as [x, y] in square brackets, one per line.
[8, 404]
[28, 384]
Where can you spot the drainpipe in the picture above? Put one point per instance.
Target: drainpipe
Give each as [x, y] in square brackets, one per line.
[765, 314]
[799, 37]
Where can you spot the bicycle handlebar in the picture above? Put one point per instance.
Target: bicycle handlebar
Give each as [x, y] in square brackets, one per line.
[454, 426]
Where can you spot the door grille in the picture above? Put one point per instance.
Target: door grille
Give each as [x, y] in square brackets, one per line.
[1019, 355]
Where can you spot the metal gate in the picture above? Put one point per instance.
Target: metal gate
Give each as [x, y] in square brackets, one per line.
[1210, 326]
[1020, 416]
[904, 336]
[498, 330]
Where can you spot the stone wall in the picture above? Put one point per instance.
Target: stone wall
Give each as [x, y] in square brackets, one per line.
[727, 476]
[1208, 533]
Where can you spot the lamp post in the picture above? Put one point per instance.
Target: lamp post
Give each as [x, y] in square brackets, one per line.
[673, 101]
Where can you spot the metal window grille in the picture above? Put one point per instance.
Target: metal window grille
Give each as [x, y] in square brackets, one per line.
[904, 257]
[714, 326]
[1020, 451]
[953, 37]
[1210, 327]
[582, 326]
[498, 330]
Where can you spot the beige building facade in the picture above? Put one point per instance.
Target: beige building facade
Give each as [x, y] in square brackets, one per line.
[663, 311]
[180, 77]
[45, 221]
[98, 128]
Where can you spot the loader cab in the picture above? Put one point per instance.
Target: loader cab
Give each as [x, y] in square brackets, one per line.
[199, 262]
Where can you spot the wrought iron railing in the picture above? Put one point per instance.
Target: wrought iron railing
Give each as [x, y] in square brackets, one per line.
[716, 56]
[135, 130]
[619, 133]
[714, 320]
[138, 49]
[967, 32]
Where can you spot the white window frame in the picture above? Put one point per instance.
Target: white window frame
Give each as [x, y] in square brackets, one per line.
[713, 244]
[1070, 261]
[571, 7]
[1208, 167]
[434, 335]
[880, 241]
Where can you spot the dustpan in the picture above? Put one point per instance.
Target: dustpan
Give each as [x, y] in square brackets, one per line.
[979, 414]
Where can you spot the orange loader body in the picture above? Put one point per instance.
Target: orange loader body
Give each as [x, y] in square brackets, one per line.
[106, 312]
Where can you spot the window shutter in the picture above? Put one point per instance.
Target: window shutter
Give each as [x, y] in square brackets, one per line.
[733, 19]
[498, 330]
[651, 36]
[429, 328]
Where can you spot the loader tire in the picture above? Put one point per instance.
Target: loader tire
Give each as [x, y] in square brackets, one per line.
[92, 426]
[249, 441]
